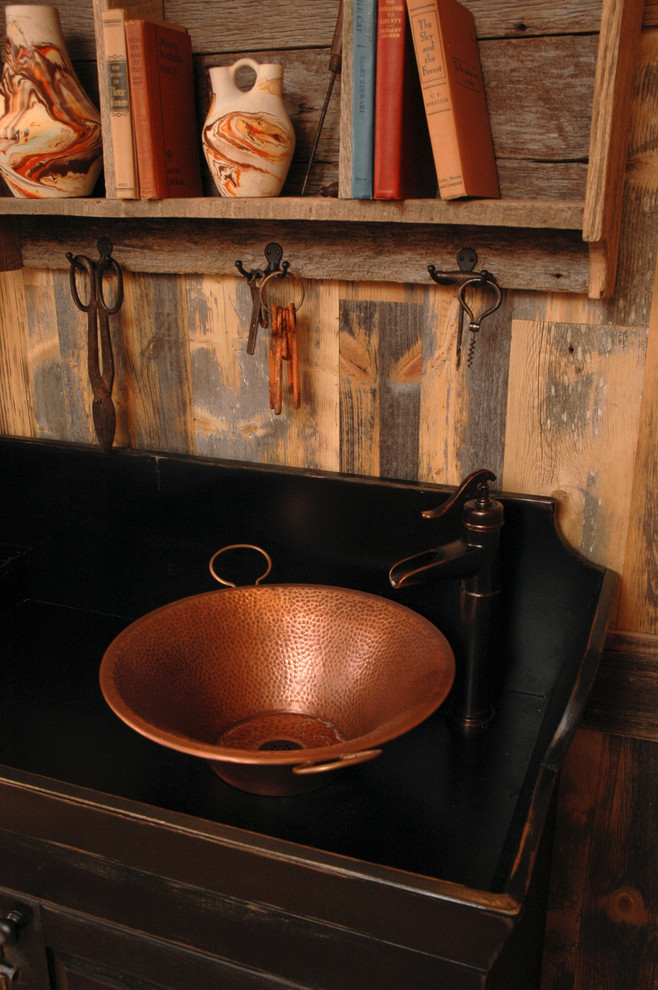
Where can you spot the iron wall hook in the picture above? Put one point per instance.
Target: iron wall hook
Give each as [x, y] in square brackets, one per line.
[469, 278]
[273, 254]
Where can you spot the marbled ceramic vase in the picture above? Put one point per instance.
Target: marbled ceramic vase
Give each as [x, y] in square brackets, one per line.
[50, 132]
[247, 138]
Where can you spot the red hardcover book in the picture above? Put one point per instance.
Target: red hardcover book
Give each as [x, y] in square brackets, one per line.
[403, 160]
[163, 108]
[450, 73]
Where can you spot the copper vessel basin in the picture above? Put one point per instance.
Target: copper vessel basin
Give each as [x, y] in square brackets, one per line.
[277, 685]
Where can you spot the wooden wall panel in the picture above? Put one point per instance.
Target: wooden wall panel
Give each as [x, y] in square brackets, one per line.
[153, 382]
[638, 606]
[572, 421]
[601, 930]
[232, 416]
[57, 359]
[16, 394]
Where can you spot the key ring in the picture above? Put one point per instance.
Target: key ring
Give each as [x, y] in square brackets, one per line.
[282, 276]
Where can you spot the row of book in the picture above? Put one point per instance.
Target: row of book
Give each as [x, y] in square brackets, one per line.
[153, 130]
[419, 109]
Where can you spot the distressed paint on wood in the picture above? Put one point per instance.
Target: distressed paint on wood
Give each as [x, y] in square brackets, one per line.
[16, 393]
[463, 409]
[381, 364]
[538, 260]
[231, 388]
[153, 380]
[638, 604]
[572, 422]
[57, 359]
[443, 393]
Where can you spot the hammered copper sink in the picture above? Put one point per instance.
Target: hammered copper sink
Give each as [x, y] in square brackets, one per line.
[277, 685]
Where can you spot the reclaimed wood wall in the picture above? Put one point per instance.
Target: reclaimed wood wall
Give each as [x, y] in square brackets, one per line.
[561, 399]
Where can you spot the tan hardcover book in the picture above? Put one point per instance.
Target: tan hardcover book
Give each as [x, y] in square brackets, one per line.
[126, 181]
[451, 81]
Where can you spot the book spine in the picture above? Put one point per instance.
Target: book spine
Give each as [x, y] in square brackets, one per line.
[181, 137]
[121, 127]
[448, 62]
[389, 98]
[145, 99]
[363, 97]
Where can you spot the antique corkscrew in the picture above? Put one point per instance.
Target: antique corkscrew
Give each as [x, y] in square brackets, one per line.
[470, 280]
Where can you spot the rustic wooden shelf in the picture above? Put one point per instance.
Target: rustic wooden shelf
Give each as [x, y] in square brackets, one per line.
[543, 214]
[542, 244]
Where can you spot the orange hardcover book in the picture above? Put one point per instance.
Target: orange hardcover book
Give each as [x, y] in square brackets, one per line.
[403, 161]
[163, 108]
[451, 81]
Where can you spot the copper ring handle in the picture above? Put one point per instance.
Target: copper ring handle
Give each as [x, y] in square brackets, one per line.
[278, 274]
[239, 546]
[351, 759]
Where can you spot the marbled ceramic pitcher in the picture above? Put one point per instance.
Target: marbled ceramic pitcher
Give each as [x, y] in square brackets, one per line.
[50, 133]
[248, 139]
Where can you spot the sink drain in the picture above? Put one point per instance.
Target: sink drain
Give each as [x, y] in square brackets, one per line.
[280, 744]
[280, 731]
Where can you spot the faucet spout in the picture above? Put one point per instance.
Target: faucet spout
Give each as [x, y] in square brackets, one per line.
[471, 555]
[453, 560]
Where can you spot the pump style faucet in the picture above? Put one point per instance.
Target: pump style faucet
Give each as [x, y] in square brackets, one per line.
[473, 521]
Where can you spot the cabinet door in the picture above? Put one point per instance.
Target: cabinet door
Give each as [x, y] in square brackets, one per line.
[23, 963]
[85, 954]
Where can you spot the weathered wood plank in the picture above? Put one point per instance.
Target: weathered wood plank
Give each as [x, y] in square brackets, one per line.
[638, 253]
[526, 82]
[359, 380]
[572, 419]
[215, 28]
[530, 215]
[577, 798]
[620, 31]
[232, 416]
[153, 378]
[519, 258]
[443, 390]
[624, 698]
[57, 359]
[16, 408]
[638, 603]
[618, 940]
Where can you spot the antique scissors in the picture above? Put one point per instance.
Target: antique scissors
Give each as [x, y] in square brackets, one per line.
[96, 276]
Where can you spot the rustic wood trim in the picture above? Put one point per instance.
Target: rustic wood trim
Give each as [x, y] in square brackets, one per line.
[552, 260]
[638, 603]
[541, 214]
[601, 929]
[621, 24]
[624, 698]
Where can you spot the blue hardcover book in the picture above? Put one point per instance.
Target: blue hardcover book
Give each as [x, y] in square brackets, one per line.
[363, 98]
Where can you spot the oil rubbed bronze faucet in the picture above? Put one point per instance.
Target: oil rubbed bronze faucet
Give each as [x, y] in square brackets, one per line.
[472, 520]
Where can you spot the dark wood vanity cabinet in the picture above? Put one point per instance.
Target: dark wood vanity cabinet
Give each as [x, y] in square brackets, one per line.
[135, 867]
[66, 950]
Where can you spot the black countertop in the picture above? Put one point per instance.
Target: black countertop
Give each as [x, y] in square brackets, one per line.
[113, 537]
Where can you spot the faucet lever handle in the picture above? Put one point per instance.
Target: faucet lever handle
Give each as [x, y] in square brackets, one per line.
[451, 511]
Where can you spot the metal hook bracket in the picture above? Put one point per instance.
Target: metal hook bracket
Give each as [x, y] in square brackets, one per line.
[469, 278]
[273, 255]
